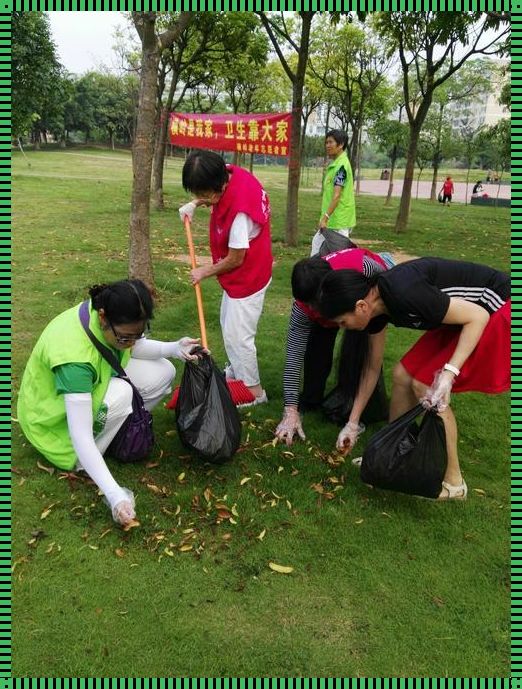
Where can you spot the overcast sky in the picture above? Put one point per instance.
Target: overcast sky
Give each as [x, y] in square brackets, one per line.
[84, 40]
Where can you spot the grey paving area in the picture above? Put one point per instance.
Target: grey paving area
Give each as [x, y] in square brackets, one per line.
[380, 188]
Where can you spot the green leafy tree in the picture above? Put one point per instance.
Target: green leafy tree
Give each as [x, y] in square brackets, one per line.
[352, 66]
[392, 138]
[432, 46]
[34, 67]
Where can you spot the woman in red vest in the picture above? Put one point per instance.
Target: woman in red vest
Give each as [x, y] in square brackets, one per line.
[240, 244]
[447, 191]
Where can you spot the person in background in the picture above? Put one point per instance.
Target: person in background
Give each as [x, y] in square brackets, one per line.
[338, 202]
[478, 191]
[311, 338]
[447, 191]
[240, 244]
[71, 404]
[465, 307]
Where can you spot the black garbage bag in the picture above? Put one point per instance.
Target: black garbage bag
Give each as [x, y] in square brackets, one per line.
[407, 457]
[206, 417]
[338, 404]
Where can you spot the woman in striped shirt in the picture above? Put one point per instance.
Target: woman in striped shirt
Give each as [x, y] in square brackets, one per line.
[465, 307]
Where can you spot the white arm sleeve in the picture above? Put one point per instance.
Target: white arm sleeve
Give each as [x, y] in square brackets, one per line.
[78, 407]
[243, 230]
[154, 349]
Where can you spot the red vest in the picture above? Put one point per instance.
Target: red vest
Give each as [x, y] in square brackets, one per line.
[351, 259]
[243, 194]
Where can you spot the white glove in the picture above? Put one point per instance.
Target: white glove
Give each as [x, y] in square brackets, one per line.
[182, 349]
[289, 426]
[187, 210]
[123, 511]
[437, 396]
[348, 436]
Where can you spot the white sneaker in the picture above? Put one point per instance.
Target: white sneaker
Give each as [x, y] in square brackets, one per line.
[229, 372]
[357, 461]
[258, 400]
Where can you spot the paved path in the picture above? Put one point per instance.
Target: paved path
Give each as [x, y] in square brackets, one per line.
[380, 188]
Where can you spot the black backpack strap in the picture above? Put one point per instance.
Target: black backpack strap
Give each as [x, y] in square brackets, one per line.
[104, 351]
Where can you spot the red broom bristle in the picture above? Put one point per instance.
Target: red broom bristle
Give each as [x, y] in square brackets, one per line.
[239, 393]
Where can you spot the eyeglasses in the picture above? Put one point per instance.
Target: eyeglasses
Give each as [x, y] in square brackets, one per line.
[129, 339]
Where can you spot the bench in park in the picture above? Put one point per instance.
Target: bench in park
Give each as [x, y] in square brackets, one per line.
[490, 201]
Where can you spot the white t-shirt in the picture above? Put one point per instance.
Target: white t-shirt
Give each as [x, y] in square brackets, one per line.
[243, 230]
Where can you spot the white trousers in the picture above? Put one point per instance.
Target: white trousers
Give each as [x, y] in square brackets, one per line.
[152, 377]
[239, 319]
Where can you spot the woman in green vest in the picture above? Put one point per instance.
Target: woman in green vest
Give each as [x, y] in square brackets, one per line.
[71, 404]
[338, 205]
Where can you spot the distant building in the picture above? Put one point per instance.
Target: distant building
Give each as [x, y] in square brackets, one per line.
[482, 109]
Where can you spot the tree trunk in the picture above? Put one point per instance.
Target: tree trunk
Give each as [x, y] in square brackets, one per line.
[403, 215]
[434, 179]
[358, 164]
[294, 159]
[140, 263]
[158, 162]
[393, 160]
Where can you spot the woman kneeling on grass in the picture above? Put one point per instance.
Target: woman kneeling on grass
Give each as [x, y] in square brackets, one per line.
[71, 404]
[466, 309]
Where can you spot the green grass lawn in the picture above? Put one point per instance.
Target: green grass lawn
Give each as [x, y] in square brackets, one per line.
[382, 585]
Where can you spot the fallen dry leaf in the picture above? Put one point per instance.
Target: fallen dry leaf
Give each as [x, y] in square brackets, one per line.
[47, 511]
[244, 480]
[181, 477]
[185, 548]
[359, 521]
[282, 569]
[119, 552]
[131, 525]
[151, 465]
[49, 470]
[262, 535]
[234, 511]
[479, 491]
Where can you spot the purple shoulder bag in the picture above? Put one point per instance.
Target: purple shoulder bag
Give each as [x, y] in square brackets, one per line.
[135, 438]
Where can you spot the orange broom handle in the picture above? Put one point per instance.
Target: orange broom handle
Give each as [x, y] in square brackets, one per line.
[199, 298]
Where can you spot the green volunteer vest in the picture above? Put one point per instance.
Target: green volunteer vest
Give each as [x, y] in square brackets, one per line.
[41, 410]
[343, 216]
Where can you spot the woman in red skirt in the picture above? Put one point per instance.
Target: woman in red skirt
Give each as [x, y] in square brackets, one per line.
[465, 307]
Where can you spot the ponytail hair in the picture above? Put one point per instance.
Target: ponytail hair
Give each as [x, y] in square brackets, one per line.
[340, 290]
[307, 276]
[125, 301]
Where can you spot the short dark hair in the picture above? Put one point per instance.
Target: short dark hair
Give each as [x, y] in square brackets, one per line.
[204, 171]
[339, 136]
[340, 290]
[125, 301]
[307, 275]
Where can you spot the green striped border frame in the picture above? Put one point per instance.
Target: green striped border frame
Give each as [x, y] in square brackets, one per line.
[6, 7]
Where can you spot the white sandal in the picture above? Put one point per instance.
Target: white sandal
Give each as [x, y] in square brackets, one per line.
[453, 492]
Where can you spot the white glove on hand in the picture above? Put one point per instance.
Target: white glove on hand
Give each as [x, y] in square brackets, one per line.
[289, 426]
[188, 209]
[438, 394]
[182, 349]
[348, 436]
[123, 511]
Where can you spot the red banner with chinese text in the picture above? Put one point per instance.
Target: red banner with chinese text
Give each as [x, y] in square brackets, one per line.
[254, 133]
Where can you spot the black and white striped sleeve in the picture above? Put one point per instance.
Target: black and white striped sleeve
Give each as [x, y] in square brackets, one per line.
[299, 329]
[371, 267]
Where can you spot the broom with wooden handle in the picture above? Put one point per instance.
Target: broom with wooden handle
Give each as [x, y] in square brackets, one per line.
[239, 392]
